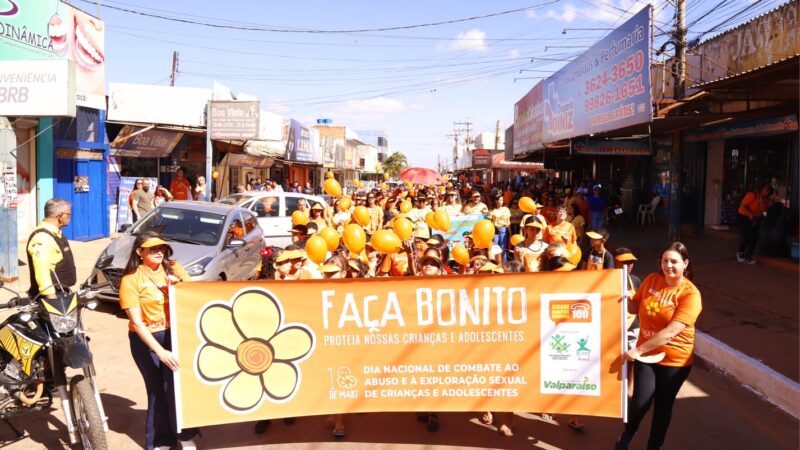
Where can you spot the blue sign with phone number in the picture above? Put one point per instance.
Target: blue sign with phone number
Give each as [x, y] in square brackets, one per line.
[607, 87]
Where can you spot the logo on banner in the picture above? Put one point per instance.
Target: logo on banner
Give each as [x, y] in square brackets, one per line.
[559, 346]
[561, 385]
[583, 353]
[247, 348]
[571, 311]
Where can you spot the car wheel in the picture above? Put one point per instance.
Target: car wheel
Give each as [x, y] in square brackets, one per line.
[221, 277]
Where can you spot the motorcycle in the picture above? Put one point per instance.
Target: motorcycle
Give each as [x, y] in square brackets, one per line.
[43, 338]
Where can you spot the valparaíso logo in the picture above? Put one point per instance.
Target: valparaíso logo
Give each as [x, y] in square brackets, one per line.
[584, 385]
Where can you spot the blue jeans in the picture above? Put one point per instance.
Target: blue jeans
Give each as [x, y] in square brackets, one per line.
[598, 220]
[501, 239]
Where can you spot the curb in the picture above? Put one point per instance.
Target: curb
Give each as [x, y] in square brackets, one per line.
[773, 386]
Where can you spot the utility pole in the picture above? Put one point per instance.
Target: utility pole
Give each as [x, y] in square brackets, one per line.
[466, 129]
[174, 68]
[497, 136]
[676, 160]
[455, 148]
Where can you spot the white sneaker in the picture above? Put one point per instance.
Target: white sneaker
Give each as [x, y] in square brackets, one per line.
[739, 257]
[750, 261]
[188, 445]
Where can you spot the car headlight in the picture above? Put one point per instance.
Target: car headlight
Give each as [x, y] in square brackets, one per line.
[198, 268]
[64, 324]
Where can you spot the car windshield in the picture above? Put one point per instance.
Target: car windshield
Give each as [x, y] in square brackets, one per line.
[234, 199]
[193, 227]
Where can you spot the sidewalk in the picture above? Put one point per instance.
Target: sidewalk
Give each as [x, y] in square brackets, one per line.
[754, 309]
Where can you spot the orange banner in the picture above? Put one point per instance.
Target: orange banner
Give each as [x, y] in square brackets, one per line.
[543, 342]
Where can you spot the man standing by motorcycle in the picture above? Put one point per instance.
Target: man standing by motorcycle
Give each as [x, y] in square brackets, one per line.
[50, 260]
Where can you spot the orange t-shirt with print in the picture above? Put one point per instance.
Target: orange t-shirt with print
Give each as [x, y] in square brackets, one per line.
[660, 304]
[143, 289]
[563, 232]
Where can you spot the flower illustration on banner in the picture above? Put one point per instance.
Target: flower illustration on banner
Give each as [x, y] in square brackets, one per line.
[247, 347]
[653, 308]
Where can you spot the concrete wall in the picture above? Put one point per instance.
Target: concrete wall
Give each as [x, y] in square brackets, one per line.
[714, 168]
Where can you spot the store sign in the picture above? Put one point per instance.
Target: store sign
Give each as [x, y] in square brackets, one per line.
[256, 350]
[481, 159]
[74, 153]
[245, 160]
[612, 148]
[328, 144]
[37, 88]
[764, 127]
[234, 120]
[605, 88]
[176, 105]
[52, 30]
[152, 143]
[529, 122]
[298, 142]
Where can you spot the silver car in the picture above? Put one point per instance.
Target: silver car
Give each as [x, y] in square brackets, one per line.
[212, 241]
[274, 210]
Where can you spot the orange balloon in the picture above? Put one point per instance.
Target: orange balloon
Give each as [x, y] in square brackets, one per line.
[354, 238]
[403, 228]
[573, 254]
[405, 206]
[329, 175]
[516, 239]
[355, 181]
[345, 203]
[411, 192]
[429, 219]
[383, 186]
[299, 218]
[483, 233]
[316, 249]
[449, 185]
[460, 254]
[442, 220]
[332, 188]
[331, 237]
[527, 205]
[385, 241]
[462, 177]
[361, 215]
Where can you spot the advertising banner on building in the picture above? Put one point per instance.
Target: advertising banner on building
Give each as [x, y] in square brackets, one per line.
[481, 159]
[612, 148]
[298, 142]
[235, 120]
[328, 144]
[37, 88]
[762, 127]
[607, 87]
[138, 142]
[257, 350]
[529, 121]
[51, 30]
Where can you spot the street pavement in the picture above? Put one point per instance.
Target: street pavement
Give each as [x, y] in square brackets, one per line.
[712, 411]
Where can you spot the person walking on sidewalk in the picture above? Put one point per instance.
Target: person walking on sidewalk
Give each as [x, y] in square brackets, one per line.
[668, 305]
[50, 260]
[143, 295]
[751, 211]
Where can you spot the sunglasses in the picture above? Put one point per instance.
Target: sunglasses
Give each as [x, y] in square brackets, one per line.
[159, 249]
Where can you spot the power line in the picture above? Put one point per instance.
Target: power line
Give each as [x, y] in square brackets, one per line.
[319, 31]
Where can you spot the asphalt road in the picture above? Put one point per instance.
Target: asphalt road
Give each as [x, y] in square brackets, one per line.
[712, 412]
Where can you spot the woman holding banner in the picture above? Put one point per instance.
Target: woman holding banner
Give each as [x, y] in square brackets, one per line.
[143, 295]
[668, 305]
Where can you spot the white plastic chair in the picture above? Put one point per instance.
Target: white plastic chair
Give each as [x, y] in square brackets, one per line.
[646, 213]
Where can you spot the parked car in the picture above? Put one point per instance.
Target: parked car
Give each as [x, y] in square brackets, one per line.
[274, 211]
[212, 241]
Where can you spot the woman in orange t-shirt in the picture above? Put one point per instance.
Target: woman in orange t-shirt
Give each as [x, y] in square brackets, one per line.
[668, 304]
[143, 295]
[751, 210]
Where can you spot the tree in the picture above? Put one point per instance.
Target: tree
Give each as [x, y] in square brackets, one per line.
[394, 164]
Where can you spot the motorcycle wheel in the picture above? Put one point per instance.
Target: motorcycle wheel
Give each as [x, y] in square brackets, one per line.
[86, 414]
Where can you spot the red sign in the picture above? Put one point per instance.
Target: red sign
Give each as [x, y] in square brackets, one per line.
[529, 121]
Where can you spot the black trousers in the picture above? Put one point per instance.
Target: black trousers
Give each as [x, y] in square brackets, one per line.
[657, 385]
[748, 232]
[161, 424]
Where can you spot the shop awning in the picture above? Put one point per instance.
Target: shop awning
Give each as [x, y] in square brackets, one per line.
[144, 142]
[272, 149]
[499, 162]
[245, 160]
